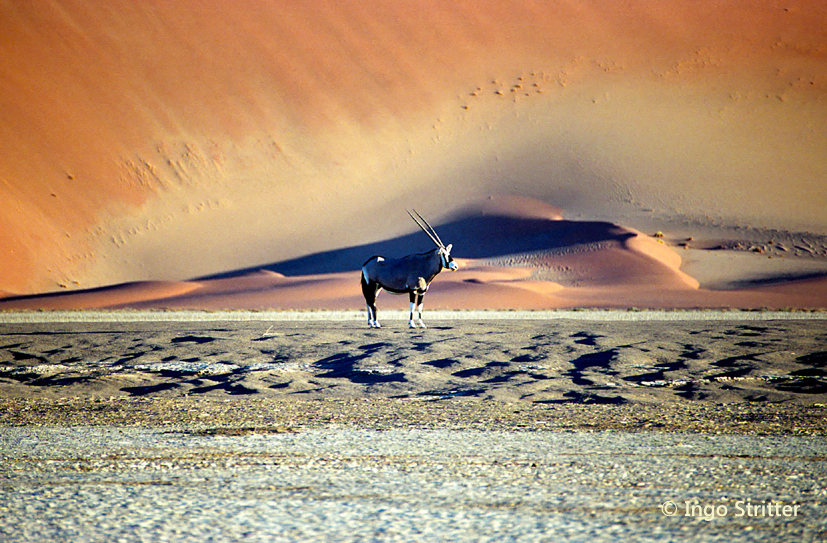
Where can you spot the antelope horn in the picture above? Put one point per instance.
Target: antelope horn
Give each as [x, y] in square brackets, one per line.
[431, 228]
[427, 228]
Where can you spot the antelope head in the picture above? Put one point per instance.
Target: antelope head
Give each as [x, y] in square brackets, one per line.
[443, 250]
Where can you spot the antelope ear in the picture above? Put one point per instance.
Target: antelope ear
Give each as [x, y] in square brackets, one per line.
[448, 249]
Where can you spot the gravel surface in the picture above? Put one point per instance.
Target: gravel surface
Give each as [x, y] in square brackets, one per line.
[597, 426]
[274, 414]
[151, 484]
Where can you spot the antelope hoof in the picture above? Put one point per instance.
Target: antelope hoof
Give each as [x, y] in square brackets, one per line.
[422, 325]
[411, 324]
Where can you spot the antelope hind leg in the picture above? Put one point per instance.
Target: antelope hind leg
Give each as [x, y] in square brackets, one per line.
[370, 290]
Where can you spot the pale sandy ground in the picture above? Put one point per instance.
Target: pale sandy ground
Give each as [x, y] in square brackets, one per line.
[178, 484]
[310, 426]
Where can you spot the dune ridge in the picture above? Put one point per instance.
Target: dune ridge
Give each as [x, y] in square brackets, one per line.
[527, 257]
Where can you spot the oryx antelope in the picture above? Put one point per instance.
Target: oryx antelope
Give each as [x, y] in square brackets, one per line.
[410, 274]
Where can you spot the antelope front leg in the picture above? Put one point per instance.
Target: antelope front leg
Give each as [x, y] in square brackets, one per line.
[373, 322]
[416, 305]
[413, 298]
[419, 310]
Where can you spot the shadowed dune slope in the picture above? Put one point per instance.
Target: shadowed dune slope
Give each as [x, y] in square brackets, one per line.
[473, 237]
[533, 261]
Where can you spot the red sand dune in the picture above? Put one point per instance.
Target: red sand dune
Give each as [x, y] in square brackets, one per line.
[606, 266]
[161, 141]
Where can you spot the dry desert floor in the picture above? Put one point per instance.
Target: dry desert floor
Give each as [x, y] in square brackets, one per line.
[487, 426]
[607, 369]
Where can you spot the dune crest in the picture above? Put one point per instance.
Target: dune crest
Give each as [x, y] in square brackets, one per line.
[509, 205]
[670, 258]
[527, 257]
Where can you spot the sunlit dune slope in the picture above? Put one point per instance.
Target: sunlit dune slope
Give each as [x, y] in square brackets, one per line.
[170, 140]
